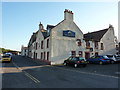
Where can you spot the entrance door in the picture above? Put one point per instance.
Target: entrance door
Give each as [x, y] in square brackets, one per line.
[87, 55]
[44, 55]
[34, 55]
[47, 55]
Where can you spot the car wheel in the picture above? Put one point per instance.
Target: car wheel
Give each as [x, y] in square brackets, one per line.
[112, 62]
[88, 62]
[65, 64]
[75, 65]
[100, 62]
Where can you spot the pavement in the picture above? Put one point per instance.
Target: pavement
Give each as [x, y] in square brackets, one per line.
[24, 72]
[41, 62]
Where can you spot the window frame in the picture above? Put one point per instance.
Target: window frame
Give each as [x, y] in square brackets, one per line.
[48, 43]
[42, 44]
[102, 46]
[87, 44]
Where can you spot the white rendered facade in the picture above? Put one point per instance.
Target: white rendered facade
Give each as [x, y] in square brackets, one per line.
[59, 42]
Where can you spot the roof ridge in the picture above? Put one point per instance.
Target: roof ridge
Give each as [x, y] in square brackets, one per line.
[98, 31]
[50, 25]
[97, 35]
[59, 23]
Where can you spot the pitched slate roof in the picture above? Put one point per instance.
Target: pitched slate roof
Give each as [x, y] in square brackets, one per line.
[45, 34]
[25, 47]
[33, 38]
[96, 36]
[50, 26]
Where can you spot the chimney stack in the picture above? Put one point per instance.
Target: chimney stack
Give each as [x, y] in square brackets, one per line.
[41, 26]
[110, 26]
[68, 15]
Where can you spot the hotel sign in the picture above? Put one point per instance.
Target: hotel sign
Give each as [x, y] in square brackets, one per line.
[68, 33]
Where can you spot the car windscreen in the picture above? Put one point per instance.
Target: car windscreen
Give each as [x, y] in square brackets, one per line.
[106, 57]
[5, 56]
[118, 56]
[110, 56]
[78, 59]
[81, 59]
[69, 58]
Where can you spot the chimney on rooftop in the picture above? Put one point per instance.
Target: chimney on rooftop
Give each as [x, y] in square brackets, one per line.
[110, 26]
[68, 15]
[41, 26]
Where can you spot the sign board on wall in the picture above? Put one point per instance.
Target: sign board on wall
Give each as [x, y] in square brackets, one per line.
[68, 33]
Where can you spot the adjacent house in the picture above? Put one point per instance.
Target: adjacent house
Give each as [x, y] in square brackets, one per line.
[101, 42]
[58, 42]
[24, 51]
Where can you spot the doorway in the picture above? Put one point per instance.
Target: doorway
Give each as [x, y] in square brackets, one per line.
[87, 55]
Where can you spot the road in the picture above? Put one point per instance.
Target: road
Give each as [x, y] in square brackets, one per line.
[23, 72]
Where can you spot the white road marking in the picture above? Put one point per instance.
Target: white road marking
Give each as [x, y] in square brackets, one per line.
[31, 77]
[27, 74]
[88, 73]
[37, 81]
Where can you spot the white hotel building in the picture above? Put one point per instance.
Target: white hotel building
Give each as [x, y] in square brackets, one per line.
[57, 43]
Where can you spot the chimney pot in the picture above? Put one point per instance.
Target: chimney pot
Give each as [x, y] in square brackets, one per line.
[68, 15]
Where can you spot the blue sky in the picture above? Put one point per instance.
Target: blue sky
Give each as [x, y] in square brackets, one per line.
[21, 19]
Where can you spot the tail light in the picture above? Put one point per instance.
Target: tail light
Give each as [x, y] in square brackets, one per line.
[78, 61]
[103, 59]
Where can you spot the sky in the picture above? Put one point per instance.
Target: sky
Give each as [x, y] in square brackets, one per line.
[21, 19]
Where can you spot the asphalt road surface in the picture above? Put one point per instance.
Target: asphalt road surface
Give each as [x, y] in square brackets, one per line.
[24, 72]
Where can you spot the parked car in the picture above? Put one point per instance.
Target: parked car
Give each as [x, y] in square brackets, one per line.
[75, 61]
[6, 58]
[99, 59]
[117, 57]
[7, 54]
[114, 58]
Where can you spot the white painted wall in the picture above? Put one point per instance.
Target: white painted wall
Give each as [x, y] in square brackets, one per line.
[24, 52]
[61, 46]
[45, 49]
[108, 42]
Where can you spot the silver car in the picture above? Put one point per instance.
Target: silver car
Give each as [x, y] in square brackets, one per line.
[114, 58]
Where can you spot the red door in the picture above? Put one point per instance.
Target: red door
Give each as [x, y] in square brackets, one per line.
[87, 55]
